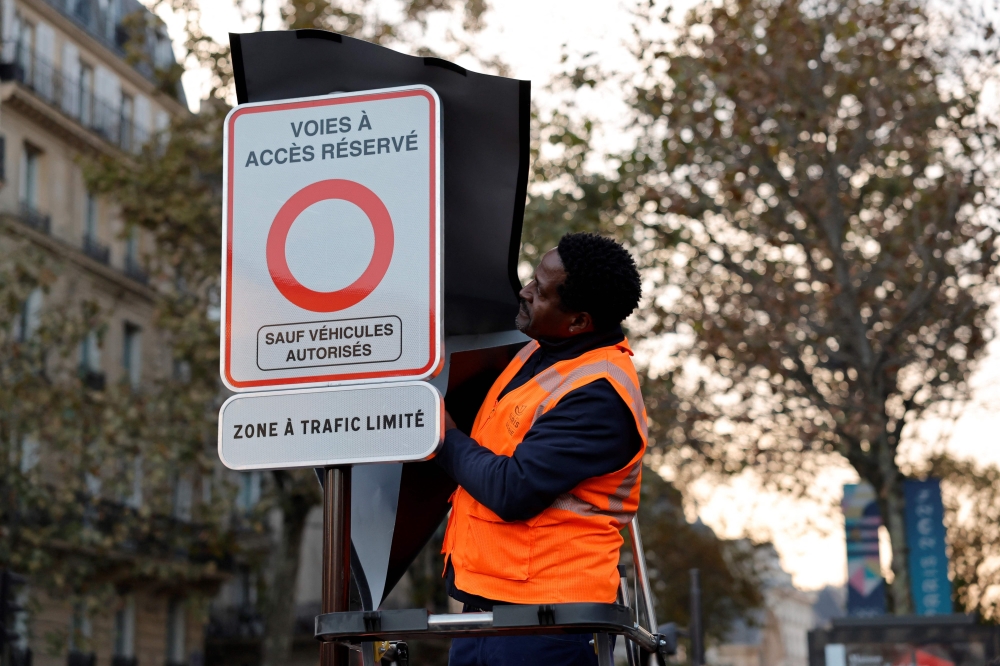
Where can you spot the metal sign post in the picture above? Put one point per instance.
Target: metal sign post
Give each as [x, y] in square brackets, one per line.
[336, 555]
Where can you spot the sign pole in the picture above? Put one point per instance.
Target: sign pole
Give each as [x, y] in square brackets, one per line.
[336, 555]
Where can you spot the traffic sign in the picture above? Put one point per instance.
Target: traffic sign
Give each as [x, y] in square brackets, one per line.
[332, 240]
[395, 422]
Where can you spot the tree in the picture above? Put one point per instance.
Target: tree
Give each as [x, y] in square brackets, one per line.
[68, 445]
[173, 189]
[810, 197]
[816, 180]
[730, 580]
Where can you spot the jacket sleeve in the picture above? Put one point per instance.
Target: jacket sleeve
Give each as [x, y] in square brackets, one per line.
[590, 432]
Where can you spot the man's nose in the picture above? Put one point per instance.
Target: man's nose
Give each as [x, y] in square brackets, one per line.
[525, 292]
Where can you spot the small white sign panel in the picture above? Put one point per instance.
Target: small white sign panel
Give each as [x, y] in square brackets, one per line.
[332, 240]
[397, 422]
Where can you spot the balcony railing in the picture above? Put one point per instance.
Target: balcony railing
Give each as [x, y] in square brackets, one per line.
[20, 656]
[135, 271]
[34, 218]
[93, 379]
[96, 250]
[73, 99]
[239, 621]
[75, 658]
[114, 526]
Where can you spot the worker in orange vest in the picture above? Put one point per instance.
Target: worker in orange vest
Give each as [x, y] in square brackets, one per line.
[549, 473]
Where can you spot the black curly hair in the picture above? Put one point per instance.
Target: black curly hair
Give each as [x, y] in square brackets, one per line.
[601, 279]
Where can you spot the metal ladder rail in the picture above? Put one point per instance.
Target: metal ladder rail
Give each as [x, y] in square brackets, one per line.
[482, 624]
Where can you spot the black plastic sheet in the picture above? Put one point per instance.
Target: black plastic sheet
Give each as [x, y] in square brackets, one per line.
[486, 124]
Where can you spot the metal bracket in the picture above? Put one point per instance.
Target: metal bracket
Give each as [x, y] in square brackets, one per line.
[373, 621]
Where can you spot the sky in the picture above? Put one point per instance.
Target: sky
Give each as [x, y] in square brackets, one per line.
[531, 37]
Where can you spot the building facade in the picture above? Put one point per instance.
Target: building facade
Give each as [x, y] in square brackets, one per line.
[777, 636]
[81, 79]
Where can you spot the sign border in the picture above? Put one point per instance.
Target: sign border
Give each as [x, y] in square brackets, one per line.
[426, 455]
[436, 323]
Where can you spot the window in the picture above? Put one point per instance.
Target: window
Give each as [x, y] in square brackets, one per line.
[125, 122]
[132, 249]
[132, 354]
[111, 14]
[19, 640]
[90, 218]
[249, 493]
[90, 353]
[246, 587]
[26, 48]
[30, 159]
[135, 499]
[79, 630]
[182, 370]
[29, 453]
[93, 484]
[175, 632]
[206, 489]
[86, 96]
[30, 318]
[183, 491]
[90, 361]
[125, 628]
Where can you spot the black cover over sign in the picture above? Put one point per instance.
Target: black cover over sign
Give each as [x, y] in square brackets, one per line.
[486, 122]
[486, 132]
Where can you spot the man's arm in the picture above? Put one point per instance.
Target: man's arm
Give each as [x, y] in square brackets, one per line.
[590, 432]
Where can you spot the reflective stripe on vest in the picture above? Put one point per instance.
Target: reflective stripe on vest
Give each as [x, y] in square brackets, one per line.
[569, 552]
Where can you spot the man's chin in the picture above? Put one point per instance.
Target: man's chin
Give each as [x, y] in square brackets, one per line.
[522, 324]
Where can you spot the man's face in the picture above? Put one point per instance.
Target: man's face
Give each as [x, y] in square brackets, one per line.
[541, 314]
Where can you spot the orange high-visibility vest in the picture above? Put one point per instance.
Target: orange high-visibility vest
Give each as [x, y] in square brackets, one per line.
[569, 552]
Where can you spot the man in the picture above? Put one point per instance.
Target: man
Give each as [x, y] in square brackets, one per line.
[550, 473]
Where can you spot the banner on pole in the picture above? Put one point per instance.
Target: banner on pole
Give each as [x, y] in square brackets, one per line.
[925, 534]
[865, 585]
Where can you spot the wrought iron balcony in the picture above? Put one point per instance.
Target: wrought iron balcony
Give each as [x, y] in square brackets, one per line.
[20, 656]
[35, 219]
[238, 621]
[93, 379]
[73, 99]
[96, 250]
[75, 658]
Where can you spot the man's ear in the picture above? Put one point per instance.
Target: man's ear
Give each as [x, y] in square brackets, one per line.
[581, 323]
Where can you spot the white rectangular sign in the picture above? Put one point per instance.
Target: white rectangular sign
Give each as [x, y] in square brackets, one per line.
[397, 422]
[332, 240]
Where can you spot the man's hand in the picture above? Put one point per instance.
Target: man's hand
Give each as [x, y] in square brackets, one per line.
[449, 423]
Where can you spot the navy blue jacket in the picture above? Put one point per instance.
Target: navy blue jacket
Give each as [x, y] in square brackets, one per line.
[590, 432]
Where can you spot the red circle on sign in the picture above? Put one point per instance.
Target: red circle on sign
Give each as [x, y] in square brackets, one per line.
[330, 301]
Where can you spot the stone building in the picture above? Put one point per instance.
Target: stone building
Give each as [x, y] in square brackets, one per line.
[68, 90]
[777, 636]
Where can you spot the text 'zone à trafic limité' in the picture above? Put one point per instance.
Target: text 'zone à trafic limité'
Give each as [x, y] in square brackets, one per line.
[331, 147]
[339, 424]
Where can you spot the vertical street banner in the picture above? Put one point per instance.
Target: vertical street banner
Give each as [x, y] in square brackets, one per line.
[865, 585]
[925, 538]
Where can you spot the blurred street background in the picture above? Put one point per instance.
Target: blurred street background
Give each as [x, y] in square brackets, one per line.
[808, 186]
